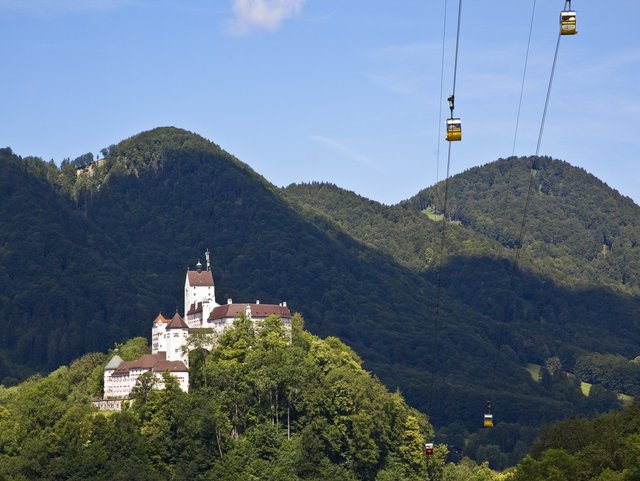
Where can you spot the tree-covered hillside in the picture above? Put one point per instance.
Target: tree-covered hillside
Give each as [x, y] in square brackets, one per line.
[603, 449]
[404, 234]
[266, 406]
[63, 288]
[538, 312]
[578, 231]
[118, 234]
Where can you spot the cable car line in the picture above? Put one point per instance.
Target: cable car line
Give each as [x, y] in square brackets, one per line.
[454, 125]
[444, 217]
[546, 102]
[563, 20]
[436, 343]
[524, 75]
[455, 63]
[444, 34]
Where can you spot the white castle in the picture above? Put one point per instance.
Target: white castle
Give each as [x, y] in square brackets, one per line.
[169, 346]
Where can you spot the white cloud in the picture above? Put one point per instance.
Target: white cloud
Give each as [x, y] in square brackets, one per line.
[262, 14]
[343, 149]
[411, 50]
[404, 84]
[53, 6]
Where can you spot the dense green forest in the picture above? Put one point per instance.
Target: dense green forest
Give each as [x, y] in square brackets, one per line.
[272, 405]
[603, 449]
[91, 251]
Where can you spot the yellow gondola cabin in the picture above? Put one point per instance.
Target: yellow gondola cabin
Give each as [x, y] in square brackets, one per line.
[568, 22]
[454, 130]
[488, 420]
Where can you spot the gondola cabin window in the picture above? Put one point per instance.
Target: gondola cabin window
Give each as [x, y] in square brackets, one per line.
[568, 22]
[454, 130]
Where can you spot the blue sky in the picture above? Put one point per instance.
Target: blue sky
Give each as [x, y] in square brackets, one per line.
[345, 91]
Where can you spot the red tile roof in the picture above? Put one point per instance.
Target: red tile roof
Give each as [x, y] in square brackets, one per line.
[154, 362]
[171, 366]
[257, 310]
[160, 318]
[202, 278]
[177, 323]
[146, 361]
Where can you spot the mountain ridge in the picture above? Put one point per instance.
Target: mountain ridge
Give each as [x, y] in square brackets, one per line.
[571, 214]
[163, 196]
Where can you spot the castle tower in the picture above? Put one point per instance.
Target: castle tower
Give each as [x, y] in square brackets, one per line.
[158, 338]
[177, 334]
[199, 294]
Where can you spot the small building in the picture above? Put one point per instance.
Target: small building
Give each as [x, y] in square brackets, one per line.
[120, 377]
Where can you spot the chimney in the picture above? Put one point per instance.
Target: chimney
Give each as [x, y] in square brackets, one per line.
[258, 301]
[284, 304]
[229, 301]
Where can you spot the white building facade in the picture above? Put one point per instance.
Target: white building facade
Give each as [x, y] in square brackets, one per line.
[169, 337]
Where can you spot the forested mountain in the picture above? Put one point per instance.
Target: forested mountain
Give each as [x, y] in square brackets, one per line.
[402, 233]
[101, 249]
[59, 274]
[565, 306]
[578, 232]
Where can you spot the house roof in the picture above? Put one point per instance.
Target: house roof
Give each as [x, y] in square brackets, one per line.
[171, 366]
[114, 362]
[257, 310]
[160, 318]
[202, 278]
[147, 361]
[152, 362]
[177, 323]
